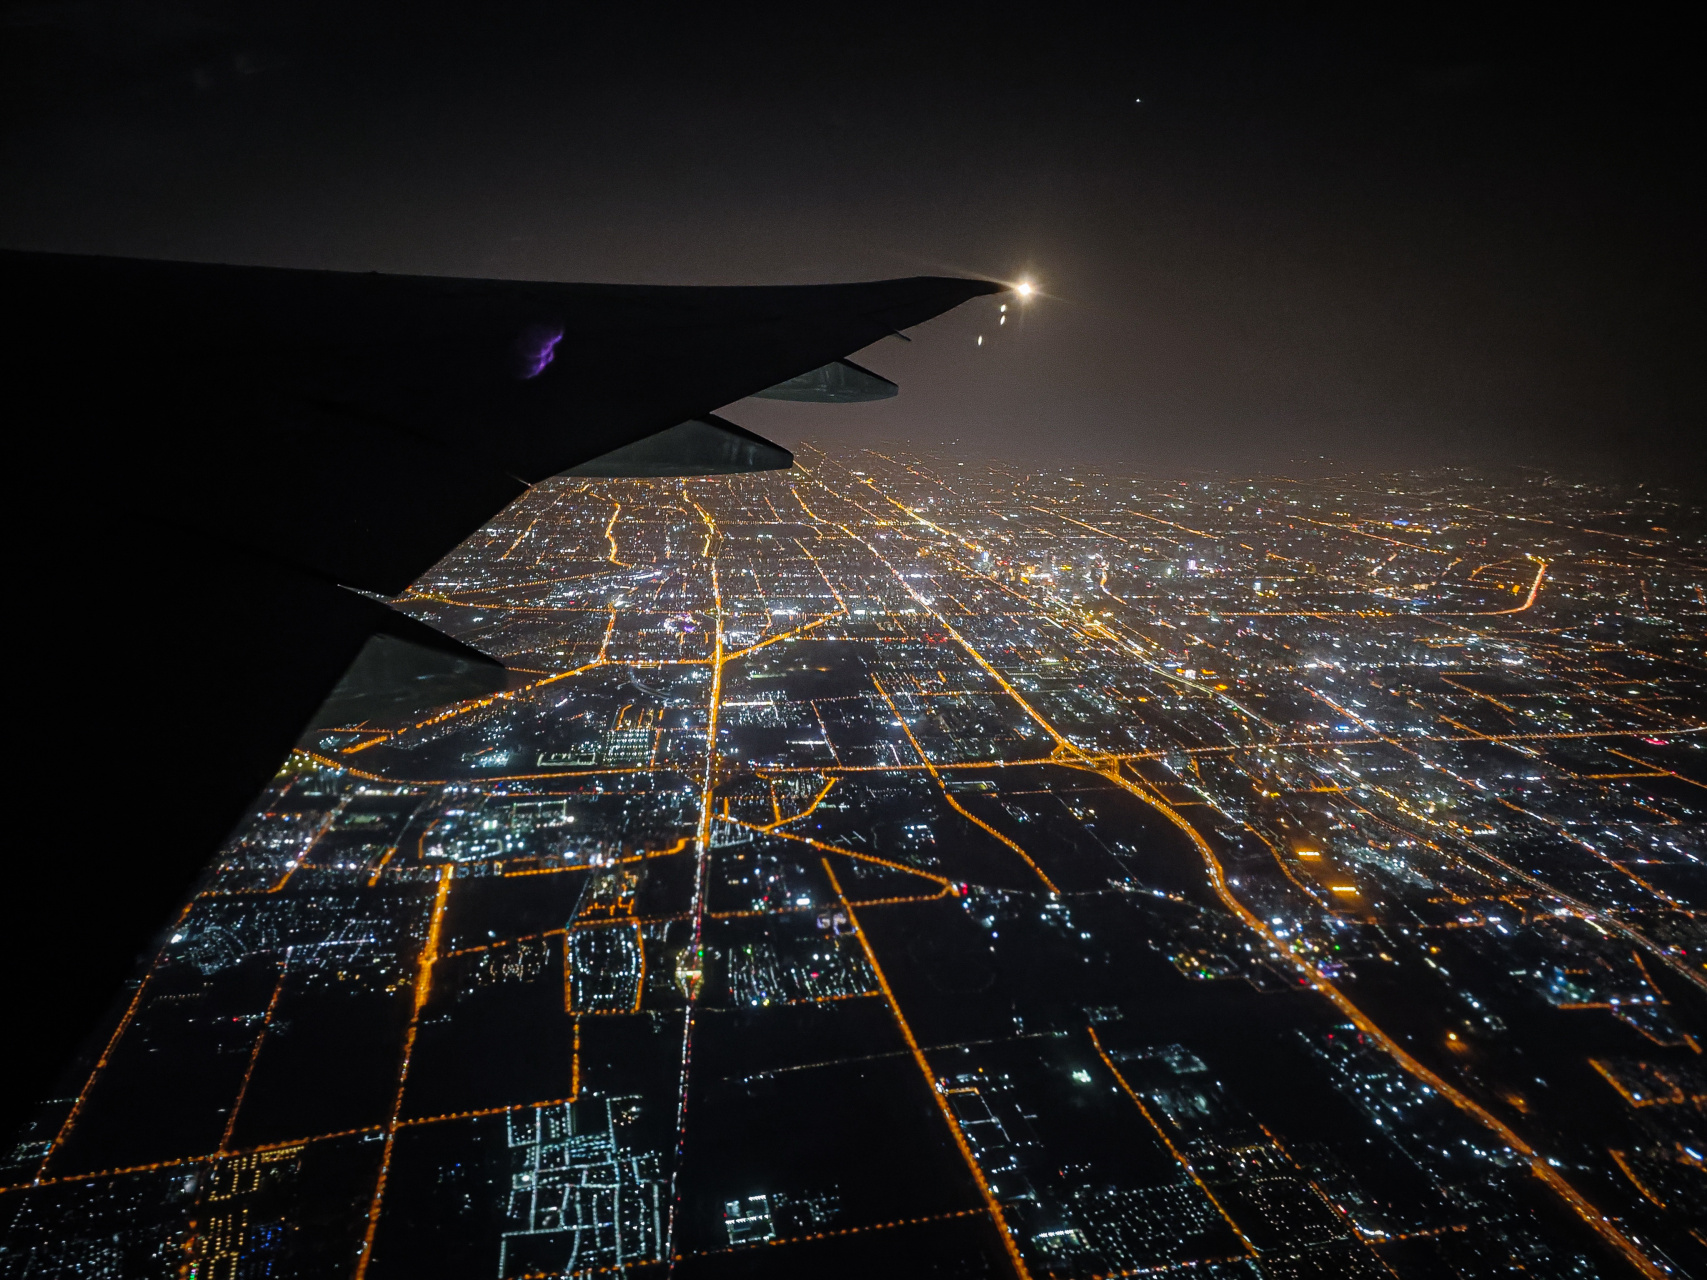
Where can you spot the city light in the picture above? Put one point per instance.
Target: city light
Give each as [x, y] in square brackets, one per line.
[917, 854]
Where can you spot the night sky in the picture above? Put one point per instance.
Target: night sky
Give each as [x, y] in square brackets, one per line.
[1268, 237]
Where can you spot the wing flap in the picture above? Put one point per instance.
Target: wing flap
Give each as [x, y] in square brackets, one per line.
[839, 382]
[700, 447]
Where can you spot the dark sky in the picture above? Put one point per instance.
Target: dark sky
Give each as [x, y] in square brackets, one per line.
[1447, 237]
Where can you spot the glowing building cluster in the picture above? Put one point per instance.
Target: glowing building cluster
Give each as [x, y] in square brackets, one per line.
[900, 862]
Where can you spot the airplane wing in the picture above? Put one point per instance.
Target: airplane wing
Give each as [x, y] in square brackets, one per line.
[218, 472]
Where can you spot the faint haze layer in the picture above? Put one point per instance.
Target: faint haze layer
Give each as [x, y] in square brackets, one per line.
[1262, 235]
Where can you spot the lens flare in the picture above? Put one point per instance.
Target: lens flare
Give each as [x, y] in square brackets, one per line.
[536, 348]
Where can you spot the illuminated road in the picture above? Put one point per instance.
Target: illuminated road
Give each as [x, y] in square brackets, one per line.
[1383, 736]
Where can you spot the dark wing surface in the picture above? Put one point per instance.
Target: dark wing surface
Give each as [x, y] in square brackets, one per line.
[210, 464]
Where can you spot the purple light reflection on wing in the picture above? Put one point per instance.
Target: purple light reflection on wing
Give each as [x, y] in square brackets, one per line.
[538, 348]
